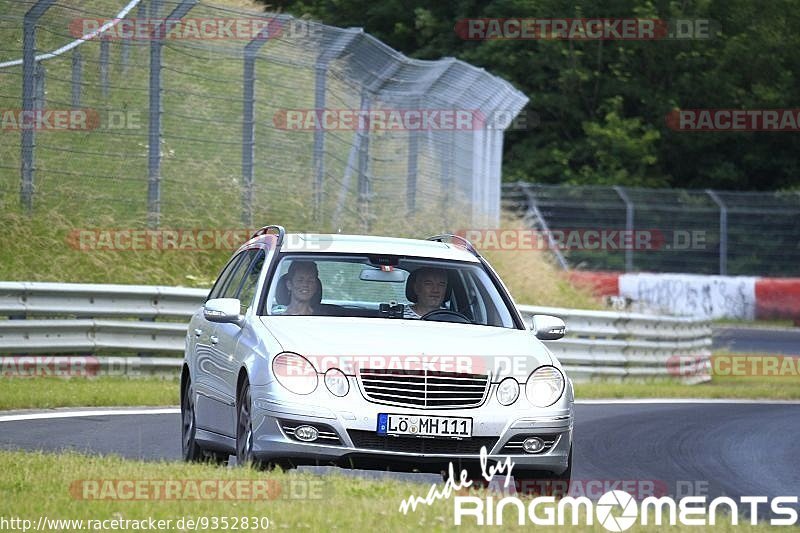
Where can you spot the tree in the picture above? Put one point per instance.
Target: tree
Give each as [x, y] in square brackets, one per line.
[602, 105]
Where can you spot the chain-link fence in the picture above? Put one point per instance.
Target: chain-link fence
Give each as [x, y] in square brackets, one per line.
[664, 230]
[177, 113]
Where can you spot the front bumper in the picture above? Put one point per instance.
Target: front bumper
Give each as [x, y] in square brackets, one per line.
[350, 426]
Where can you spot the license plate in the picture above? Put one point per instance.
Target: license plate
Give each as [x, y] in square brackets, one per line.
[424, 426]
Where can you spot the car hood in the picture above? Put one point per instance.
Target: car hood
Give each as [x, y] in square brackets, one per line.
[347, 342]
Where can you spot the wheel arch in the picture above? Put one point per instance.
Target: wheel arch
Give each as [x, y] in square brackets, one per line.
[185, 378]
[240, 381]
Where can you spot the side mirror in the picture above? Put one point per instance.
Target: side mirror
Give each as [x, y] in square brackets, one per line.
[223, 311]
[548, 328]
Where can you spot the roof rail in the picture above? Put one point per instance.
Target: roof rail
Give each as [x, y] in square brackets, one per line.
[266, 229]
[460, 241]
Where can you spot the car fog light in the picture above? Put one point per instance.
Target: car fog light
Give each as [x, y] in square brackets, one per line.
[533, 445]
[306, 433]
[337, 382]
[508, 391]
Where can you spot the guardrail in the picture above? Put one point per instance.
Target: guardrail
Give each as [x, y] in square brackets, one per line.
[90, 318]
[605, 344]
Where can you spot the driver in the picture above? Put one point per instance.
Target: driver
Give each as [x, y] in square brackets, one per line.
[429, 287]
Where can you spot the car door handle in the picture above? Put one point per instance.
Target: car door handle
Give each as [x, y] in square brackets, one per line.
[214, 339]
[198, 332]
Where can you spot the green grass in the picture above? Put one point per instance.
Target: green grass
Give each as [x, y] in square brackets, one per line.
[37, 484]
[760, 323]
[762, 388]
[48, 392]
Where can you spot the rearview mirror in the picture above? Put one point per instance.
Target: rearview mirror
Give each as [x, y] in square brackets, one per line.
[223, 311]
[548, 328]
[379, 274]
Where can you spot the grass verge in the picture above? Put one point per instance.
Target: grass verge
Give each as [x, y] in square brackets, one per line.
[759, 323]
[756, 388]
[50, 392]
[36, 484]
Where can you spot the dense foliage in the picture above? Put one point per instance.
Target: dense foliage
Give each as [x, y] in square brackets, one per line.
[601, 106]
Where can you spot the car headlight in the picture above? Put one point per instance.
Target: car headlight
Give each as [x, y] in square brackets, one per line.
[545, 386]
[295, 373]
[508, 391]
[337, 382]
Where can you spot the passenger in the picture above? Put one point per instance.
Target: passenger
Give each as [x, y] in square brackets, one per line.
[304, 288]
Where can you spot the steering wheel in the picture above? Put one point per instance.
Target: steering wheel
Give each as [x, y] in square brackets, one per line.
[446, 315]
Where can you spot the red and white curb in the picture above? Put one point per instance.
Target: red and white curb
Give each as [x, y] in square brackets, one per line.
[700, 296]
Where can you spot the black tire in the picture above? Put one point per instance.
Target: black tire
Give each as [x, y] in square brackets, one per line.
[244, 428]
[191, 451]
[538, 483]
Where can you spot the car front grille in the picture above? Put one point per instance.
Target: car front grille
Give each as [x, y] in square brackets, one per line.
[370, 440]
[425, 389]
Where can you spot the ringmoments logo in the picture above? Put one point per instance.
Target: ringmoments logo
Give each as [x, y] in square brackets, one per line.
[615, 510]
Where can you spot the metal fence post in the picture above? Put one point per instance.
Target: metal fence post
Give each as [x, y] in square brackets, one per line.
[124, 55]
[723, 232]
[320, 87]
[28, 138]
[411, 171]
[41, 74]
[628, 225]
[104, 53]
[534, 213]
[412, 168]
[364, 185]
[494, 175]
[77, 72]
[154, 134]
[320, 77]
[360, 153]
[249, 123]
[446, 164]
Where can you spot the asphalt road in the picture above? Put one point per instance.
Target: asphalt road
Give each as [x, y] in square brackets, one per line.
[700, 448]
[784, 341]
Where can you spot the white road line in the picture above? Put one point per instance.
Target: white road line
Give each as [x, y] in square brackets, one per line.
[78, 413]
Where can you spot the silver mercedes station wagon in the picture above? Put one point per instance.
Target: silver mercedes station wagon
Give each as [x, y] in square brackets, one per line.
[372, 352]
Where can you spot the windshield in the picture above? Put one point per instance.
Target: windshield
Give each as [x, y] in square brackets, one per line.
[386, 287]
